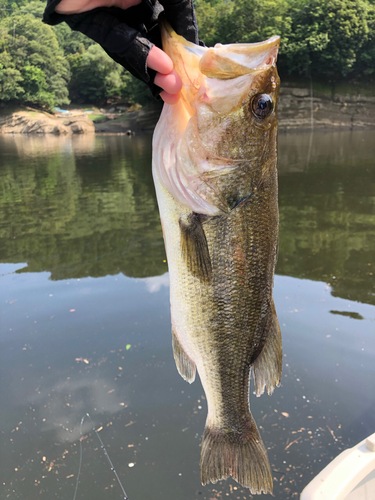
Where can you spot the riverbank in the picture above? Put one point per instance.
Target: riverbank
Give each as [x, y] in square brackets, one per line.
[29, 121]
[319, 107]
[301, 107]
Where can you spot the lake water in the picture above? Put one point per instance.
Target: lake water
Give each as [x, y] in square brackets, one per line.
[85, 322]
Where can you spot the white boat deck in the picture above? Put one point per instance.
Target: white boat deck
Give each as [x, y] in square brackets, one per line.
[365, 489]
[350, 476]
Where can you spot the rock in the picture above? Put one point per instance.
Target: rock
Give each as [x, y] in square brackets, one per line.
[80, 124]
[24, 122]
[341, 111]
[301, 92]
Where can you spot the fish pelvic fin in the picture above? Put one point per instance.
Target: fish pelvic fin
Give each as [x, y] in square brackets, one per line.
[185, 365]
[194, 247]
[267, 367]
[240, 454]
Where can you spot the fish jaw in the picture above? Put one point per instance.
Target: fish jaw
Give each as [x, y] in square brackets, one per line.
[211, 134]
[218, 154]
[195, 63]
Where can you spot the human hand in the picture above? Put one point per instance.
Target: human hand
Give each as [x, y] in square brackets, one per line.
[166, 77]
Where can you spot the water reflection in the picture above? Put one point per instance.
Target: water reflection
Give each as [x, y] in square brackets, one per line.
[85, 206]
[349, 314]
[31, 146]
[64, 354]
[81, 207]
[327, 211]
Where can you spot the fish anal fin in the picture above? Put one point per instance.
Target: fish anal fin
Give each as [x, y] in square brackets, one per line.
[237, 453]
[185, 365]
[194, 247]
[268, 365]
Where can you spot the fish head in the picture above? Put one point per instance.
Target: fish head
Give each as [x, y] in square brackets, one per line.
[227, 120]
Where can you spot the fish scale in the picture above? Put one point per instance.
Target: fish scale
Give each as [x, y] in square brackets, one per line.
[217, 196]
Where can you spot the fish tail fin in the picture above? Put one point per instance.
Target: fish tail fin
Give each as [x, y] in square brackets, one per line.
[267, 367]
[241, 455]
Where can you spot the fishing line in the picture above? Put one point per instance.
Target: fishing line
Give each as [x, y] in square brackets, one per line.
[105, 453]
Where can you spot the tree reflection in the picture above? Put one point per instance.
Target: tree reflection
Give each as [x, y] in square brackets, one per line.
[327, 212]
[78, 208]
[85, 206]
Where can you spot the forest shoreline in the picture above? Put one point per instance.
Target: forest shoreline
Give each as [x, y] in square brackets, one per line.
[301, 108]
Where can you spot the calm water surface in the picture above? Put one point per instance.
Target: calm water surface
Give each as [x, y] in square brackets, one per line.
[85, 322]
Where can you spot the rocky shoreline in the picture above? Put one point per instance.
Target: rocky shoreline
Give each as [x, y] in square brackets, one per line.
[33, 122]
[300, 109]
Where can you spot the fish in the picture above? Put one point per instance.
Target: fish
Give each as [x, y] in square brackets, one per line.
[215, 174]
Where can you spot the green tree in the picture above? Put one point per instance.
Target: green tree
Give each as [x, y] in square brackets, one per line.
[326, 37]
[245, 21]
[30, 43]
[35, 87]
[71, 41]
[366, 58]
[212, 18]
[256, 20]
[7, 7]
[95, 76]
[36, 8]
[10, 78]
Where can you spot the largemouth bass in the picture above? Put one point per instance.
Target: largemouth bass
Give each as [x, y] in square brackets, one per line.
[215, 173]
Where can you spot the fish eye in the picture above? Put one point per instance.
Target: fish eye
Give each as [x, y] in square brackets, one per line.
[261, 105]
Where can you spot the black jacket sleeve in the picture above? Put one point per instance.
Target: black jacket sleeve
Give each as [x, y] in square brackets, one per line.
[128, 35]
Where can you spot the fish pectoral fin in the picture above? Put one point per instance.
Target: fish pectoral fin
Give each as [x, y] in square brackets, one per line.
[185, 365]
[268, 365]
[239, 453]
[194, 247]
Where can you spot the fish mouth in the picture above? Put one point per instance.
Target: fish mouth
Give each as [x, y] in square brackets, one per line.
[225, 62]
[222, 62]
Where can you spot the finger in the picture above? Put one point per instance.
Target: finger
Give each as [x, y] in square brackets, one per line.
[77, 6]
[172, 83]
[159, 61]
[170, 98]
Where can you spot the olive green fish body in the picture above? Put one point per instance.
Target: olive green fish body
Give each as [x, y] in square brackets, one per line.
[215, 173]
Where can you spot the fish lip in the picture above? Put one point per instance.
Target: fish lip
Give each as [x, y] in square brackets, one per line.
[251, 57]
[274, 41]
[225, 62]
